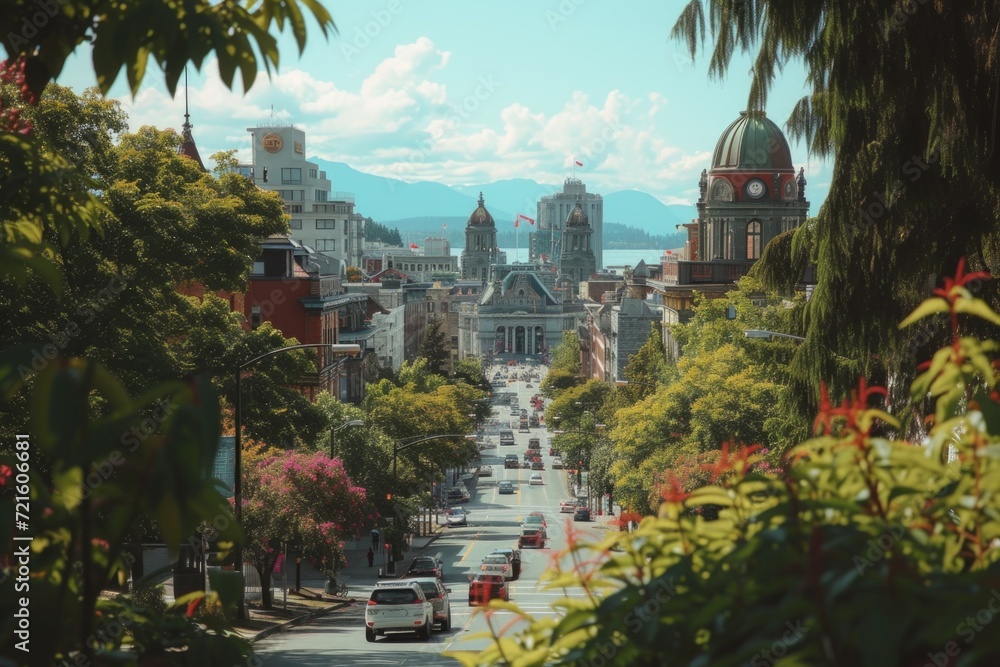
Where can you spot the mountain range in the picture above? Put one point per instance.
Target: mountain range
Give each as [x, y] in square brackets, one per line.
[396, 203]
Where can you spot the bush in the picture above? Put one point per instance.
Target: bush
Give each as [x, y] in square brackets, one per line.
[146, 598]
[862, 550]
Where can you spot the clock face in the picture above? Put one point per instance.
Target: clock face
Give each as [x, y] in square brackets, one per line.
[756, 188]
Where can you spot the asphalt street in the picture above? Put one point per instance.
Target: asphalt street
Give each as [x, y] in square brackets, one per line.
[494, 520]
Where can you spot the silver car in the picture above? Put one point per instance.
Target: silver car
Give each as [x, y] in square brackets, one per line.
[436, 592]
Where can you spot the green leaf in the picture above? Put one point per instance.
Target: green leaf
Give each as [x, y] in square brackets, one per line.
[977, 307]
[928, 307]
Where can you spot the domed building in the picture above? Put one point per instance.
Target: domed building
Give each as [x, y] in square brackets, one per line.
[750, 194]
[577, 261]
[481, 248]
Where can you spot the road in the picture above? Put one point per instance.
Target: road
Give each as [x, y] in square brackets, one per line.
[494, 520]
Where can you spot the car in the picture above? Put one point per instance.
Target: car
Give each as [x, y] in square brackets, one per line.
[529, 385]
[486, 587]
[537, 465]
[457, 517]
[425, 566]
[456, 495]
[399, 605]
[568, 506]
[514, 556]
[535, 520]
[531, 537]
[535, 479]
[534, 443]
[510, 461]
[581, 514]
[505, 486]
[557, 463]
[436, 592]
[524, 428]
[553, 451]
[485, 471]
[497, 564]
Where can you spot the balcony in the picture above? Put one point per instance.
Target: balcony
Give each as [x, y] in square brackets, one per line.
[340, 196]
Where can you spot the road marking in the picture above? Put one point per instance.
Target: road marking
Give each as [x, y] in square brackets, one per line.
[468, 549]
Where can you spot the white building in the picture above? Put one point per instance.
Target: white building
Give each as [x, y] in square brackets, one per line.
[322, 219]
[390, 336]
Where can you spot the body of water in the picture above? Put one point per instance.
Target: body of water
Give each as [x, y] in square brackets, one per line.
[615, 258]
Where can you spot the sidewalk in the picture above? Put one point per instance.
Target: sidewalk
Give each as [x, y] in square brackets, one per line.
[311, 601]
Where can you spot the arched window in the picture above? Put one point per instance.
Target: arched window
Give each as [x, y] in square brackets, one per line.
[753, 239]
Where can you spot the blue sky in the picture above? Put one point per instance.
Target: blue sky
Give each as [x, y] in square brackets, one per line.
[467, 93]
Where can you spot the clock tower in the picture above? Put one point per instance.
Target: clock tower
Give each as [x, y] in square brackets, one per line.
[480, 244]
[750, 195]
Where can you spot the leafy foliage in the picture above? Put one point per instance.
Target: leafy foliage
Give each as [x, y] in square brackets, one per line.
[914, 187]
[434, 348]
[835, 558]
[564, 366]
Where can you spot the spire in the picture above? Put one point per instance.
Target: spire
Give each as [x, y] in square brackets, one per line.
[481, 200]
[188, 147]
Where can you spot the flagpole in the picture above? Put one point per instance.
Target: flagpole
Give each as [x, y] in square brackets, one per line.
[517, 241]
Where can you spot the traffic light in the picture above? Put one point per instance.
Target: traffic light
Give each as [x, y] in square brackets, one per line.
[265, 174]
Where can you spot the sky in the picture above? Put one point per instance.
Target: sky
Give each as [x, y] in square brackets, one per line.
[469, 93]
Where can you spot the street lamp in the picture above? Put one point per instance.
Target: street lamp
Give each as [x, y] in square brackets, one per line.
[352, 422]
[761, 333]
[400, 446]
[334, 350]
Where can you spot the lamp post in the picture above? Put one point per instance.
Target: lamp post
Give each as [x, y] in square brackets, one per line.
[334, 350]
[333, 431]
[398, 447]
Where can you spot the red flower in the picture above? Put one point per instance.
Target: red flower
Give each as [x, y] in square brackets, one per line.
[672, 492]
[951, 286]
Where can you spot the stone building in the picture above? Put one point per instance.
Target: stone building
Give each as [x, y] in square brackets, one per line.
[481, 248]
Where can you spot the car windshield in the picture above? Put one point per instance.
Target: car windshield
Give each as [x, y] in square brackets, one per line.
[423, 562]
[495, 560]
[534, 519]
[529, 532]
[486, 578]
[430, 588]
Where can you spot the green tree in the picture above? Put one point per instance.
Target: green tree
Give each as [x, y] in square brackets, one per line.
[914, 187]
[564, 366]
[434, 348]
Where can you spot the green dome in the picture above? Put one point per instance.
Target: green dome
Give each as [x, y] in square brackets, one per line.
[752, 143]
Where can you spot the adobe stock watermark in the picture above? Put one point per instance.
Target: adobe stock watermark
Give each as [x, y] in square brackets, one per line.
[771, 655]
[60, 339]
[879, 546]
[37, 14]
[458, 113]
[563, 11]
[878, 205]
[901, 14]
[363, 35]
[967, 630]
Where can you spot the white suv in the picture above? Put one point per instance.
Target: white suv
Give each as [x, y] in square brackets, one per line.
[398, 606]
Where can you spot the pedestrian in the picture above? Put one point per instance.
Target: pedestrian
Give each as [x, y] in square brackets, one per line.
[375, 536]
[371, 557]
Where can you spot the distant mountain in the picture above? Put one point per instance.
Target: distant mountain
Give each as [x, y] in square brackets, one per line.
[421, 208]
[642, 210]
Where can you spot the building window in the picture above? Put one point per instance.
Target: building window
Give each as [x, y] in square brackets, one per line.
[326, 224]
[753, 239]
[294, 208]
[255, 318]
[312, 173]
[292, 195]
[326, 245]
[291, 175]
[321, 195]
[296, 223]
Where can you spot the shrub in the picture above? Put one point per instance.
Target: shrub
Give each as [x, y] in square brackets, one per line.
[860, 550]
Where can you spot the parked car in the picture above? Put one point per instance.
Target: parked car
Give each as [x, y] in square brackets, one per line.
[497, 564]
[399, 605]
[457, 517]
[567, 506]
[581, 514]
[557, 463]
[505, 487]
[536, 479]
[456, 495]
[436, 592]
[486, 587]
[529, 385]
[531, 537]
[425, 566]
[485, 471]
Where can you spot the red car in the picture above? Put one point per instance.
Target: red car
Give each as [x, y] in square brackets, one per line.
[531, 537]
[486, 587]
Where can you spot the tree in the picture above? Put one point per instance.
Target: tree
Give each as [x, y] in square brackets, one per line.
[354, 274]
[307, 500]
[434, 348]
[914, 187]
[564, 367]
[798, 564]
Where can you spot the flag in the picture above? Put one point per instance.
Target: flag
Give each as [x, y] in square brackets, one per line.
[578, 163]
[413, 246]
[517, 222]
[530, 221]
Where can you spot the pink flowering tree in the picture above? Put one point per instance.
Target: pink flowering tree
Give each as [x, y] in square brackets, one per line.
[299, 498]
